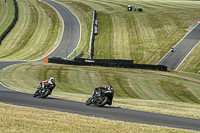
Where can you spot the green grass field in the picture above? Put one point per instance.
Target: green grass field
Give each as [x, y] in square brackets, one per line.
[37, 32]
[143, 37]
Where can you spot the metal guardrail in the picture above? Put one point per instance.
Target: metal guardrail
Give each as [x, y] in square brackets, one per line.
[94, 32]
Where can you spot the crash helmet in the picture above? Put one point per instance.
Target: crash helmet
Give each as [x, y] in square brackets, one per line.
[52, 78]
[109, 87]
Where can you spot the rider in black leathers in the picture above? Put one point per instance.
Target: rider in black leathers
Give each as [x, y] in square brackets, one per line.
[99, 88]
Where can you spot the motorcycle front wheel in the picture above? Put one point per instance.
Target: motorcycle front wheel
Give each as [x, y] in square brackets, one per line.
[102, 102]
[45, 94]
[36, 93]
[89, 101]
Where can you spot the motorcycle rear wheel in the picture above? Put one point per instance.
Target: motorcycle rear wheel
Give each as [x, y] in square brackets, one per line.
[102, 102]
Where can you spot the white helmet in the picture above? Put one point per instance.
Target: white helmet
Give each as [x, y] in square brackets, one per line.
[52, 78]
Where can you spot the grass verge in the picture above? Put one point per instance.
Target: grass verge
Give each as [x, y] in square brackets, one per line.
[25, 119]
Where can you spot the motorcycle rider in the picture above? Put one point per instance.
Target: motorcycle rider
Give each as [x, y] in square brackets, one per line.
[101, 96]
[97, 90]
[50, 83]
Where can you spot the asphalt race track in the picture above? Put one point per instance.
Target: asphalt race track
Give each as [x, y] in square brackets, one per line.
[71, 31]
[182, 49]
[24, 99]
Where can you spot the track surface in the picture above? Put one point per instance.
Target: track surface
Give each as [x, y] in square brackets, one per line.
[182, 49]
[24, 99]
[121, 114]
[71, 32]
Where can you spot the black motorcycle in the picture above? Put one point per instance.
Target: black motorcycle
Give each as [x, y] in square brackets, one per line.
[43, 91]
[101, 96]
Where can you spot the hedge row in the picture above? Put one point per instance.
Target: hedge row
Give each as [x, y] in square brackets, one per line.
[107, 63]
[5, 33]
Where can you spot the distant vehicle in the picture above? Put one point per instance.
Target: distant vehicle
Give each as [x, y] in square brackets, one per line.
[101, 96]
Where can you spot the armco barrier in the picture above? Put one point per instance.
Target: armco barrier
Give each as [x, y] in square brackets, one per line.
[5, 33]
[94, 32]
[116, 61]
[108, 64]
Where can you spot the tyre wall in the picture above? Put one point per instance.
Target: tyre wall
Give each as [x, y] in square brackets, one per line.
[107, 63]
[5, 33]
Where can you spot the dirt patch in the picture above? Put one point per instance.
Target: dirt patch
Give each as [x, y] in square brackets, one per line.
[175, 75]
[191, 26]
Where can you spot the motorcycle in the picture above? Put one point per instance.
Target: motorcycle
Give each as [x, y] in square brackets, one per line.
[101, 96]
[43, 90]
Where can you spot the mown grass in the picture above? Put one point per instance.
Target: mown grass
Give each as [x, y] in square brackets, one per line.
[7, 14]
[144, 37]
[191, 63]
[104, 19]
[3, 12]
[25, 119]
[168, 92]
[37, 32]
[2, 9]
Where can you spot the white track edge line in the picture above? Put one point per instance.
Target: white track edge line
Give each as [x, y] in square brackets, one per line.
[7, 86]
[62, 31]
[186, 56]
[175, 45]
